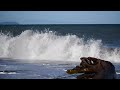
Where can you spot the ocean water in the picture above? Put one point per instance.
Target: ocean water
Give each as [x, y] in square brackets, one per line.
[47, 51]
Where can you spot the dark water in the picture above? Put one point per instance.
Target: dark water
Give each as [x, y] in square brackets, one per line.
[22, 54]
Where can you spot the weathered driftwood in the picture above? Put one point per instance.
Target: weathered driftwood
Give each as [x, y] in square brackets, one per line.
[94, 68]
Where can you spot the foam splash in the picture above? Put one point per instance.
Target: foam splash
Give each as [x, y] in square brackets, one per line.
[48, 45]
[8, 72]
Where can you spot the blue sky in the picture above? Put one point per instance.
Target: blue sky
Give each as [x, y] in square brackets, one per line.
[61, 17]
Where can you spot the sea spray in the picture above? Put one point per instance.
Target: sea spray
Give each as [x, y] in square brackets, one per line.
[48, 45]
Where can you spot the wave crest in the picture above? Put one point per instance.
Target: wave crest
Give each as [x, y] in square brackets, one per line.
[48, 45]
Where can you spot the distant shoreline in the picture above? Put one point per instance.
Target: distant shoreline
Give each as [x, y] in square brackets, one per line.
[9, 23]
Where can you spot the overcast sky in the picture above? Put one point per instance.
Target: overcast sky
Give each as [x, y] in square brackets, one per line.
[61, 17]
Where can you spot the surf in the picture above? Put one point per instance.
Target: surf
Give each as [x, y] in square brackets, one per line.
[48, 45]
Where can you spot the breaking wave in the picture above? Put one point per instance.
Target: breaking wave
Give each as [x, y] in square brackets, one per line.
[48, 45]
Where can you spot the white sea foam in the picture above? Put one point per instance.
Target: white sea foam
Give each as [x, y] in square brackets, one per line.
[48, 45]
[8, 72]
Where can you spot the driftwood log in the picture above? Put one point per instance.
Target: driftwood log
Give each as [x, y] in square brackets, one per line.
[93, 68]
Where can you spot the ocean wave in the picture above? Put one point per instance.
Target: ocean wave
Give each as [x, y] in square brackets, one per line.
[48, 45]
